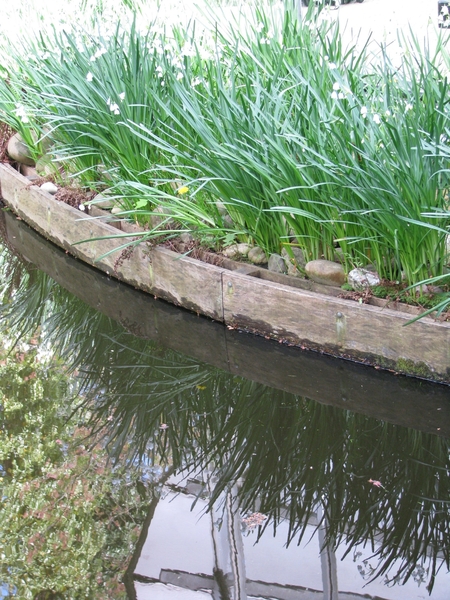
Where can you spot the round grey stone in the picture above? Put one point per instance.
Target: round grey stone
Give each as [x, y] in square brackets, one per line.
[102, 201]
[221, 208]
[228, 222]
[293, 264]
[186, 237]
[257, 256]
[19, 151]
[231, 251]
[49, 187]
[244, 249]
[325, 272]
[46, 166]
[361, 279]
[277, 264]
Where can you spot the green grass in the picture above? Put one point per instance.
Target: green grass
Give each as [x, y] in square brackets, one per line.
[306, 142]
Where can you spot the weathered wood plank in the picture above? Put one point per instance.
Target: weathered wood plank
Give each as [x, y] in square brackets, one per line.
[338, 327]
[180, 280]
[137, 312]
[187, 282]
[272, 309]
[326, 380]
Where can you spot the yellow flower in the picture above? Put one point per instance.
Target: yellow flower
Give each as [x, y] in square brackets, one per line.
[182, 190]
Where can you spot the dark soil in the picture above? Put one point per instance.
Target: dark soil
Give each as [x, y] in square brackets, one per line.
[5, 133]
[71, 195]
[74, 196]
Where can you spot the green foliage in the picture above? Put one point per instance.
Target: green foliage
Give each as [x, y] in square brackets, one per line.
[300, 138]
[67, 520]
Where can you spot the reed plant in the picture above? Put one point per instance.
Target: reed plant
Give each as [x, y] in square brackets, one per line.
[304, 141]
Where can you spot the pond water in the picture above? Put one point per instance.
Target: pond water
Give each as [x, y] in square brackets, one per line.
[147, 453]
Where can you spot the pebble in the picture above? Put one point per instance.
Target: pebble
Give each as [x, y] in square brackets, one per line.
[361, 279]
[257, 256]
[49, 187]
[277, 264]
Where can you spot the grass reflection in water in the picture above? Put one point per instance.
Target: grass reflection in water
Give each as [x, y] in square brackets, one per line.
[154, 409]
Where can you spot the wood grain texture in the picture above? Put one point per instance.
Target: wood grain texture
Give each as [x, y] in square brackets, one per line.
[336, 326]
[187, 282]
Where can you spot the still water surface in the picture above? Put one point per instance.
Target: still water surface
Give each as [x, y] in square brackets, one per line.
[235, 469]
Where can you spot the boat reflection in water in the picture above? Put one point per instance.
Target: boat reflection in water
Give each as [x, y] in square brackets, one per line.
[258, 491]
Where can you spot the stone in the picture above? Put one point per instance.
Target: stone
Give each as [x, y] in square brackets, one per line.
[186, 237]
[164, 220]
[244, 249]
[236, 251]
[46, 140]
[339, 256]
[19, 151]
[49, 187]
[420, 290]
[102, 201]
[104, 172]
[228, 222]
[293, 264]
[231, 251]
[361, 279]
[257, 256]
[325, 272]
[435, 289]
[277, 264]
[28, 171]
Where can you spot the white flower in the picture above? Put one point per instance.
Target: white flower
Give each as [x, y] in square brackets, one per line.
[363, 111]
[159, 71]
[98, 53]
[334, 95]
[408, 107]
[21, 113]
[341, 95]
[196, 81]
[388, 113]
[336, 86]
[179, 75]
[332, 65]
[113, 107]
[89, 77]
[82, 207]
[259, 27]
[376, 119]
[122, 96]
